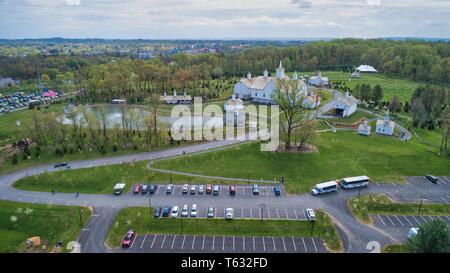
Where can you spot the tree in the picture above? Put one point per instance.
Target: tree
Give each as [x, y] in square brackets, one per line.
[418, 112]
[445, 125]
[154, 103]
[406, 107]
[433, 237]
[377, 94]
[394, 104]
[306, 133]
[289, 97]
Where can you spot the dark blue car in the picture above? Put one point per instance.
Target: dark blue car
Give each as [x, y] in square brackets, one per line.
[277, 190]
[166, 211]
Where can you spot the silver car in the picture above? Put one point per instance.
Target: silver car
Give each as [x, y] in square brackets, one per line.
[229, 213]
[201, 189]
[210, 213]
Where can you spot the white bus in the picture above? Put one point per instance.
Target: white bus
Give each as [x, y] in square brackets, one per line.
[355, 182]
[325, 188]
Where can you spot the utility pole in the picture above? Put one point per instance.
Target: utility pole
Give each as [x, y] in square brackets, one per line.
[359, 192]
[150, 203]
[81, 218]
[170, 174]
[420, 205]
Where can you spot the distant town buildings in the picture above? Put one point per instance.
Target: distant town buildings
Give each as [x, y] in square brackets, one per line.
[364, 128]
[366, 69]
[259, 89]
[176, 99]
[385, 126]
[8, 82]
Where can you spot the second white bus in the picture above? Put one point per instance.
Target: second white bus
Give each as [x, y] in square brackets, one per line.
[355, 182]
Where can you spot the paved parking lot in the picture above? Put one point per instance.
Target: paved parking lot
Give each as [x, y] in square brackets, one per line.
[225, 244]
[241, 191]
[405, 221]
[256, 213]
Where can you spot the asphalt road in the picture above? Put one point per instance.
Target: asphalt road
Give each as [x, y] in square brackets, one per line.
[357, 237]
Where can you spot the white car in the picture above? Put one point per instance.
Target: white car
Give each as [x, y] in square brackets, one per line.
[174, 213]
[201, 189]
[169, 189]
[194, 210]
[185, 211]
[310, 215]
[229, 213]
[193, 189]
[185, 188]
[210, 213]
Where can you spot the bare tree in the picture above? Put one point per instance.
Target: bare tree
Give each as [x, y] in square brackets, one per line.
[306, 133]
[445, 125]
[154, 103]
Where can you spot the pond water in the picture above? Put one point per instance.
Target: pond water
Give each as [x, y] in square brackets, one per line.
[114, 116]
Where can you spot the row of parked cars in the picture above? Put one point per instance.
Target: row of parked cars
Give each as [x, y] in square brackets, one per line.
[197, 189]
[19, 100]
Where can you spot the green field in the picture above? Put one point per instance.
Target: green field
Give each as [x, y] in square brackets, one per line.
[19, 221]
[381, 204]
[340, 154]
[140, 220]
[355, 117]
[391, 87]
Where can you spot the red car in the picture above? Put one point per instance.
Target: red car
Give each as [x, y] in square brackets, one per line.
[137, 189]
[209, 188]
[129, 238]
[232, 190]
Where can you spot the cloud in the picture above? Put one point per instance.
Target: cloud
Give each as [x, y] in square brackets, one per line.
[302, 3]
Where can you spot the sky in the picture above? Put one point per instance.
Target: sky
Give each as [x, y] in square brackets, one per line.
[224, 19]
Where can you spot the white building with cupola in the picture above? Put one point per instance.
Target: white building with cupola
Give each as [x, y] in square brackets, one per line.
[259, 89]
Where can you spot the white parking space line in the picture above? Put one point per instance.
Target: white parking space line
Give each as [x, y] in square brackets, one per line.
[399, 220]
[284, 244]
[203, 244]
[264, 244]
[164, 239]
[315, 248]
[293, 242]
[304, 245]
[295, 213]
[268, 212]
[287, 215]
[431, 219]
[406, 217]
[253, 243]
[415, 220]
[278, 214]
[243, 243]
[145, 237]
[154, 238]
[390, 220]
[193, 242]
[223, 242]
[442, 180]
[182, 244]
[381, 220]
[233, 243]
[214, 240]
[423, 218]
[132, 244]
[274, 247]
[173, 242]
[445, 200]
[304, 214]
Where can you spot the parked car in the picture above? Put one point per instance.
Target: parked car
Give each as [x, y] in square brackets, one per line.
[152, 189]
[216, 190]
[185, 211]
[201, 189]
[169, 189]
[229, 213]
[277, 190]
[310, 215]
[194, 210]
[166, 211]
[433, 179]
[137, 189]
[255, 189]
[174, 213]
[129, 238]
[157, 212]
[62, 164]
[209, 188]
[232, 190]
[185, 188]
[210, 213]
[193, 189]
[145, 188]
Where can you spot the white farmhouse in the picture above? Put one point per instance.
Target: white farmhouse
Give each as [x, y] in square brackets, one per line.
[346, 106]
[319, 81]
[364, 128]
[260, 89]
[385, 126]
[234, 114]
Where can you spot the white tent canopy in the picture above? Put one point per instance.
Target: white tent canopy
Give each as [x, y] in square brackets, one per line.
[366, 68]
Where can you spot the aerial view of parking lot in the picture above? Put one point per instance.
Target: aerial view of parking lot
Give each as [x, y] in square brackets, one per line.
[208, 128]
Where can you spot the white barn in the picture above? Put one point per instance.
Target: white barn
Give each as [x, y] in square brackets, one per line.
[319, 80]
[364, 128]
[260, 88]
[366, 69]
[385, 126]
[346, 106]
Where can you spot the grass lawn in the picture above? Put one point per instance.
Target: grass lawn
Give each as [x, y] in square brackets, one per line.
[140, 220]
[396, 249]
[50, 223]
[341, 154]
[391, 87]
[355, 117]
[381, 204]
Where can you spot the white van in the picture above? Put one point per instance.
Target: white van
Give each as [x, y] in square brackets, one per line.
[325, 188]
